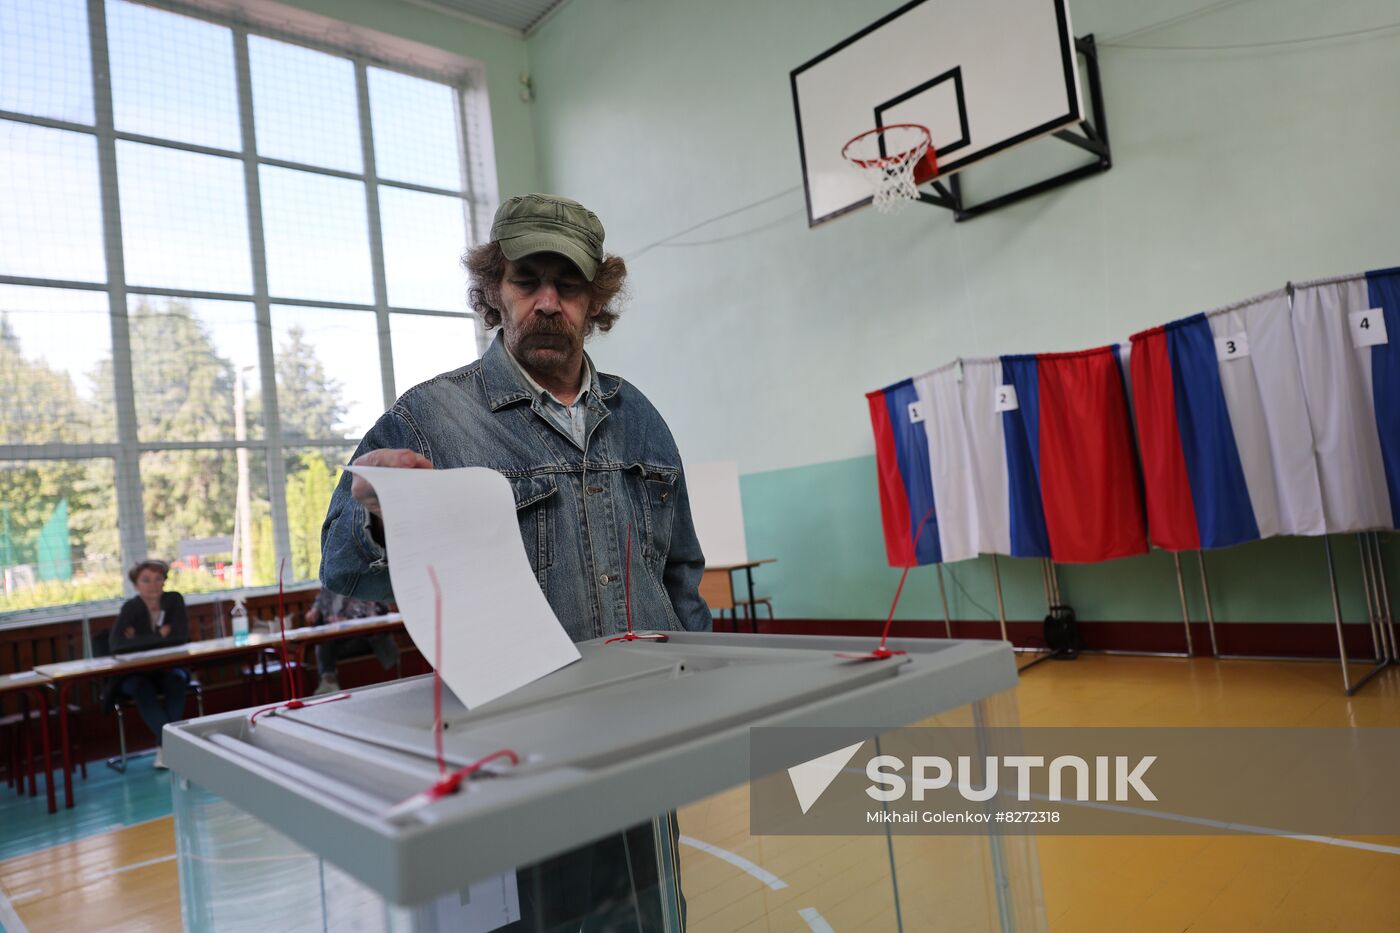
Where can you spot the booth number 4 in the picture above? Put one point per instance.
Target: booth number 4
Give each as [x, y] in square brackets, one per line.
[1367, 327]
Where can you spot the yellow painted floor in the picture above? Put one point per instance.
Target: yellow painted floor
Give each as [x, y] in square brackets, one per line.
[122, 880]
[1209, 883]
[126, 879]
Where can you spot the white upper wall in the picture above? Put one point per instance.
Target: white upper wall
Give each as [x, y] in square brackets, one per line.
[1234, 171]
[500, 53]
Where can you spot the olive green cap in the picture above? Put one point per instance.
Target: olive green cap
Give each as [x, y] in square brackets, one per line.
[544, 223]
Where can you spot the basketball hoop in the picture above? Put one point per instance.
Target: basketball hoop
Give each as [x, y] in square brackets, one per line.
[895, 176]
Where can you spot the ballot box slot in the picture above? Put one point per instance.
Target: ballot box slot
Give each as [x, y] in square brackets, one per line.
[319, 781]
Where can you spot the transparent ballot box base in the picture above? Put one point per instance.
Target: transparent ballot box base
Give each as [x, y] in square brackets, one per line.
[238, 873]
[711, 783]
[735, 878]
[701, 869]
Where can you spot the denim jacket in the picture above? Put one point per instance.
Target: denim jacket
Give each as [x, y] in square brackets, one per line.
[574, 504]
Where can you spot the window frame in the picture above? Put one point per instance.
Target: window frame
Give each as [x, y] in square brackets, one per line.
[365, 50]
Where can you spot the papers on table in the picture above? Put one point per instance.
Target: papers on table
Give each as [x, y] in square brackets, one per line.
[498, 632]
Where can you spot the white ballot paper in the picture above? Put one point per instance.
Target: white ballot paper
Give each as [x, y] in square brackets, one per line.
[498, 632]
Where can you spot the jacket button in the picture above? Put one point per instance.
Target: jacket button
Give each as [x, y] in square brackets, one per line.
[604, 579]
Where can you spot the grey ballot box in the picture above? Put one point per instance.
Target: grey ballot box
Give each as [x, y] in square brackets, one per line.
[630, 733]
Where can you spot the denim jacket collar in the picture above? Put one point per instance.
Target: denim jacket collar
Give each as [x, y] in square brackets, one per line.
[504, 386]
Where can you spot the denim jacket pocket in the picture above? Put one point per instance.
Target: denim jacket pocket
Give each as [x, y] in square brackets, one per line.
[657, 492]
[532, 508]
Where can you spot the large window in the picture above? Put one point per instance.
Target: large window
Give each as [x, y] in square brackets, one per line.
[223, 251]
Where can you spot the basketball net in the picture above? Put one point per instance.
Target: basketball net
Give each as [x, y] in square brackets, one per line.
[896, 159]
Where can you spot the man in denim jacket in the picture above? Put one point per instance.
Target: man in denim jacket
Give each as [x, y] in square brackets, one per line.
[591, 463]
[588, 456]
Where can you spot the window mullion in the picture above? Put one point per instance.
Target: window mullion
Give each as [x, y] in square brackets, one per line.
[262, 307]
[131, 517]
[472, 219]
[376, 234]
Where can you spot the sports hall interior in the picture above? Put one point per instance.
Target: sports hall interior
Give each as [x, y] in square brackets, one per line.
[1253, 145]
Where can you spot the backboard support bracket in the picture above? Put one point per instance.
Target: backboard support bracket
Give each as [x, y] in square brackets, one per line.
[947, 193]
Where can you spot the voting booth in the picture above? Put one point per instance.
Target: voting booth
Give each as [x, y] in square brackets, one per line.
[290, 822]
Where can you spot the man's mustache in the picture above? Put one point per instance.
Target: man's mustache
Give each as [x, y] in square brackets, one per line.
[547, 327]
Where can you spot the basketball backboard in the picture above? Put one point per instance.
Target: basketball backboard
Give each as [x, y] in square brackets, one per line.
[982, 75]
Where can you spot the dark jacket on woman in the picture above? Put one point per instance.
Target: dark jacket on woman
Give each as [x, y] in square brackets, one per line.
[134, 615]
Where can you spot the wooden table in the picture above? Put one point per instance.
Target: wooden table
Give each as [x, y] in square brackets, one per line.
[746, 566]
[36, 684]
[65, 675]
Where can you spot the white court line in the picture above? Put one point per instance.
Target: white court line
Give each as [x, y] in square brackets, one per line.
[250, 841]
[242, 860]
[115, 828]
[10, 920]
[738, 861]
[1233, 827]
[1244, 828]
[815, 921]
[132, 867]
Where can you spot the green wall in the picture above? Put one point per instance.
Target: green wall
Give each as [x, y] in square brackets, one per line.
[823, 521]
[1235, 171]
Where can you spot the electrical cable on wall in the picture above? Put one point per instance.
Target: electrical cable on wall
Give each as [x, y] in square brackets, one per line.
[737, 236]
[1243, 46]
[693, 227]
[1172, 21]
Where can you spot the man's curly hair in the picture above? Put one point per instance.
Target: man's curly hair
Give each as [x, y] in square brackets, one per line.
[486, 267]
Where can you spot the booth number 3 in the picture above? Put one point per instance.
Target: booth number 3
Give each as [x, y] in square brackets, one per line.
[1232, 347]
[1367, 328]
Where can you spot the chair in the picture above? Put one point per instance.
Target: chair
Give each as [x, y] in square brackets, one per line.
[717, 590]
[17, 731]
[263, 674]
[764, 601]
[115, 702]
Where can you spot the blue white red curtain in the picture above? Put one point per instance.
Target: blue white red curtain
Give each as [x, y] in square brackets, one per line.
[1046, 469]
[906, 486]
[1223, 428]
[1075, 419]
[1276, 415]
[1345, 330]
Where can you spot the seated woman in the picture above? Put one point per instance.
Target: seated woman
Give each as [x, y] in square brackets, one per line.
[332, 607]
[153, 618]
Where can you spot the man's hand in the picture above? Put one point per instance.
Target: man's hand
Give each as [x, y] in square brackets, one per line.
[165, 631]
[360, 487]
[130, 632]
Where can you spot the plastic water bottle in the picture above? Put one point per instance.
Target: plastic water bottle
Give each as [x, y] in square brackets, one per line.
[240, 622]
